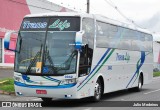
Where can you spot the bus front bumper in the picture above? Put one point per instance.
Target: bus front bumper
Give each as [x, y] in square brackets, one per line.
[63, 91]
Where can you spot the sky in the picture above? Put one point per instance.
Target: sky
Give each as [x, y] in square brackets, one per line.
[137, 10]
[140, 11]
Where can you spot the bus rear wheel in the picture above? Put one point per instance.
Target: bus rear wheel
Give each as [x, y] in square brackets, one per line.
[139, 86]
[97, 91]
[140, 83]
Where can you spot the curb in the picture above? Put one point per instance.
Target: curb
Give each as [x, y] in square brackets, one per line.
[6, 68]
[157, 77]
[4, 82]
[7, 93]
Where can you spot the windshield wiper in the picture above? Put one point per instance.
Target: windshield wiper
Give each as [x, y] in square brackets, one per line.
[34, 59]
[47, 56]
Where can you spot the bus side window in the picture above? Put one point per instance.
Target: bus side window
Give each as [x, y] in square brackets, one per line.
[87, 51]
[88, 27]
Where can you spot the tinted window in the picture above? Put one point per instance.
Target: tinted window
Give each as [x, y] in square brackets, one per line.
[106, 35]
[88, 27]
[110, 36]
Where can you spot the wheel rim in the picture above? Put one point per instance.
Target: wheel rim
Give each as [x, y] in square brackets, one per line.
[140, 84]
[97, 91]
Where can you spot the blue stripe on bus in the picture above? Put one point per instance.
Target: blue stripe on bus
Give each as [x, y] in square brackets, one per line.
[138, 68]
[105, 54]
[51, 79]
[44, 87]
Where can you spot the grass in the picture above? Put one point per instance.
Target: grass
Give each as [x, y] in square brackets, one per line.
[155, 74]
[7, 86]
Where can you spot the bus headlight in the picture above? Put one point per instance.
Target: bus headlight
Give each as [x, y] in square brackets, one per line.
[68, 81]
[18, 79]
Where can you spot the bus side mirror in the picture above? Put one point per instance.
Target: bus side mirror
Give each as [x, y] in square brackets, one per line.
[7, 41]
[78, 40]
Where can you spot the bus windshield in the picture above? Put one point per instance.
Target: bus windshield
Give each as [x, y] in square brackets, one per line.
[47, 51]
[60, 52]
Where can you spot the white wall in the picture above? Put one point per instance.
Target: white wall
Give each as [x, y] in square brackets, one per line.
[45, 5]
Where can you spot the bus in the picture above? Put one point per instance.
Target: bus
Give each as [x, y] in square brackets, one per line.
[70, 55]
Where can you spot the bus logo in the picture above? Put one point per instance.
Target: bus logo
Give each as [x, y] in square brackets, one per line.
[6, 104]
[121, 57]
[60, 24]
[39, 25]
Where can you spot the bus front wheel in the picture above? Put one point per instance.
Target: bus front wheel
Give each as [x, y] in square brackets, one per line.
[97, 91]
[140, 84]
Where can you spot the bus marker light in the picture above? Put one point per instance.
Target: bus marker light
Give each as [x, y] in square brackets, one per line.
[68, 96]
[19, 93]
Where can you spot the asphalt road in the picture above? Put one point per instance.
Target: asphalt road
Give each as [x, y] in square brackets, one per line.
[150, 92]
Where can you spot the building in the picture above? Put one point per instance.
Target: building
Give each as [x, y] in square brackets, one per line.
[12, 13]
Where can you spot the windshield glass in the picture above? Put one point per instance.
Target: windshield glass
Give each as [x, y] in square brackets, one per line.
[46, 46]
[60, 53]
[30, 51]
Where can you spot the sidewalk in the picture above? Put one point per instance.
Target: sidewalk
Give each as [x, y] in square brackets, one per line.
[6, 73]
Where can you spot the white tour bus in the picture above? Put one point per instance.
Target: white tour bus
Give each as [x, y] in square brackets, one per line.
[74, 55]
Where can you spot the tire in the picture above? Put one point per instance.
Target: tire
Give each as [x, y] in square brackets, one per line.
[98, 91]
[140, 84]
[46, 99]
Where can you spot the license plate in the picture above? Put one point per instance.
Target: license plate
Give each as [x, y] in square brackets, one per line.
[41, 91]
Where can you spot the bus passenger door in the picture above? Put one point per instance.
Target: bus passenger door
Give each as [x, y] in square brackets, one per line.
[84, 68]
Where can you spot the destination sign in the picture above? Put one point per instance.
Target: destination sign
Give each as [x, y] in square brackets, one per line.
[52, 23]
[34, 24]
[64, 24]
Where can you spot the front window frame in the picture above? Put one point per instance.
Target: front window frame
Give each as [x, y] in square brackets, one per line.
[41, 74]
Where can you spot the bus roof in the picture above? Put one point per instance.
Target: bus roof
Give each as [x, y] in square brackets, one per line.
[97, 17]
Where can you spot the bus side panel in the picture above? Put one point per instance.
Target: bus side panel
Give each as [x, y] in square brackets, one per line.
[140, 62]
[121, 68]
[147, 69]
[108, 68]
[85, 87]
